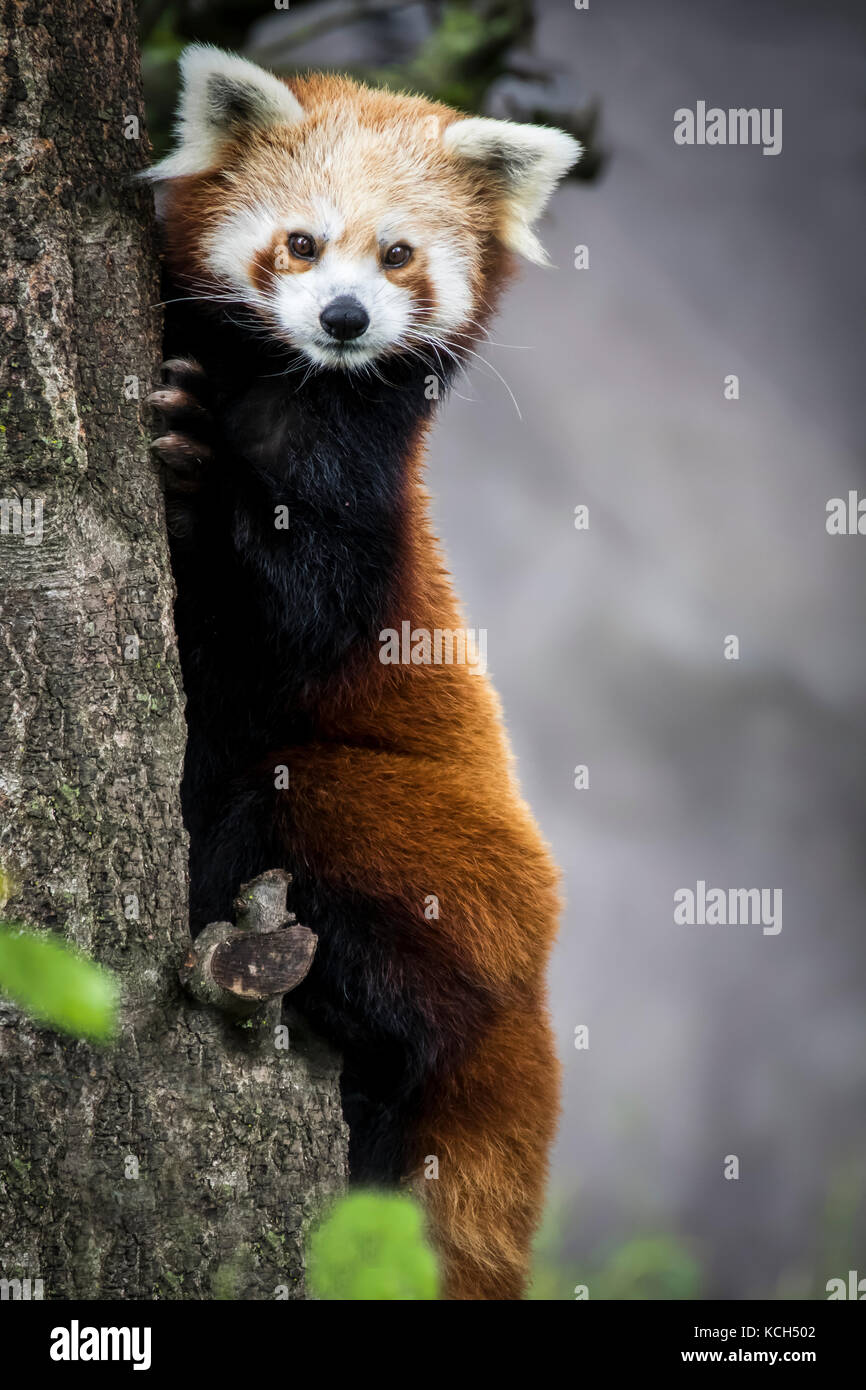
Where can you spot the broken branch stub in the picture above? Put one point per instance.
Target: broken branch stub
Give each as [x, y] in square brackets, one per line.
[264, 955]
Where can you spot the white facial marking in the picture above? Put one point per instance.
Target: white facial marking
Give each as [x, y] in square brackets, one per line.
[229, 249]
[327, 219]
[398, 228]
[294, 301]
[300, 299]
[449, 272]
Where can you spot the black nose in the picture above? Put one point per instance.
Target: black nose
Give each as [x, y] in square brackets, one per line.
[344, 318]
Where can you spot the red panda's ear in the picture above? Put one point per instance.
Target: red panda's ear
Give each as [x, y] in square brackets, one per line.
[222, 95]
[527, 162]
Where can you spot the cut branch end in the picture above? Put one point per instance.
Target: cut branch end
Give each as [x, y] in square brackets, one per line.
[240, 968]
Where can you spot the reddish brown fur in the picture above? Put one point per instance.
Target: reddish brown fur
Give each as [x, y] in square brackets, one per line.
[408, 789]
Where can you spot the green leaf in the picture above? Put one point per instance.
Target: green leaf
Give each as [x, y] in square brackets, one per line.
[372, 1247]
[57, 984]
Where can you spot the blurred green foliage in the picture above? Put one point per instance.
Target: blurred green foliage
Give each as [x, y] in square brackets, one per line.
[57, 985]
[463, 49]
[372, 1246]
[649, 1266]
[463, 54]
[654, 1267]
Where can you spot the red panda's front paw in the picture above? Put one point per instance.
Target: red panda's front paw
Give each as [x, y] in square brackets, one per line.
[185, 446]
[183, 459]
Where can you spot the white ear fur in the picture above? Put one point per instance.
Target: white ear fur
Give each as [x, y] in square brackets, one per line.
[221, 94]
[528, 159]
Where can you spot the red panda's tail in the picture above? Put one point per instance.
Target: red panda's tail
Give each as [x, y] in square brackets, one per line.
[482, 1156]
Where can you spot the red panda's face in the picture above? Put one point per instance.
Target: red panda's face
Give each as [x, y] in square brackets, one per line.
[351, 242]
[356, 224]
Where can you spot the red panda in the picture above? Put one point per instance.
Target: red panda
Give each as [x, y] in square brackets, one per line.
[332, 253]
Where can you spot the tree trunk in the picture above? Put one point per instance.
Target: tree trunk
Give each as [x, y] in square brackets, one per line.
[186, 1160]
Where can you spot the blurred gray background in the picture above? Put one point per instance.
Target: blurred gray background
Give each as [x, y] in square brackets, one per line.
[707, 518]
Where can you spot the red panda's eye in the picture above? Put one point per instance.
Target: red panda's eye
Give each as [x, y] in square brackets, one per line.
[302, 246]
[397, 255]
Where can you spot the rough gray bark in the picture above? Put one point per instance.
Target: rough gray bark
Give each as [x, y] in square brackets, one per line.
[185, 1161]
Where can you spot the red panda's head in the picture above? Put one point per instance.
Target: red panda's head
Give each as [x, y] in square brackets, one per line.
[356, 223]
